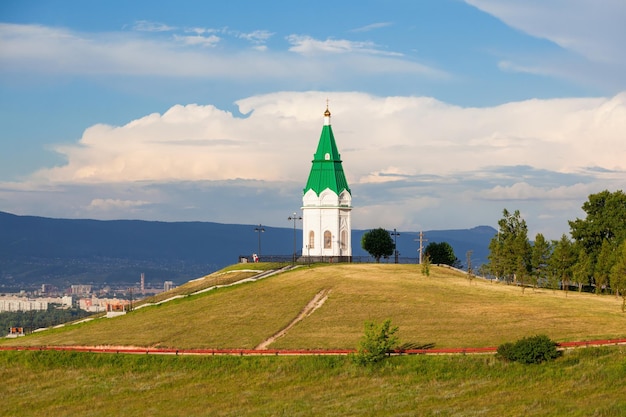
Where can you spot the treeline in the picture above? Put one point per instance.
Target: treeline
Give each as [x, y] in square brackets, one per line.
[32, 320]
[593, 258]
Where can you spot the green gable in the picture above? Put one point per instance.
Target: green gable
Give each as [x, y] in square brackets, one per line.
[327, 171]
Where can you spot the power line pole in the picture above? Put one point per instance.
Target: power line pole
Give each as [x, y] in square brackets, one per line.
[421, 248]
[395, 244]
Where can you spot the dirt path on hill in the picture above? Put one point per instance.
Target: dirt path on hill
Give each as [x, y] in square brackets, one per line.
[317, 301]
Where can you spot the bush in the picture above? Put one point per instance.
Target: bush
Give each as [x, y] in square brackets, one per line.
[377, 342]
[535, 349]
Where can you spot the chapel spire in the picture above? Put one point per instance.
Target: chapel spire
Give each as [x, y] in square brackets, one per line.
[327, 203]
[327, 171]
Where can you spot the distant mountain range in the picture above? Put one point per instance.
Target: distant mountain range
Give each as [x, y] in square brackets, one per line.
[61, 252]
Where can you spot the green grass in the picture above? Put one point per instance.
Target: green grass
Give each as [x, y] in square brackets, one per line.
[444, 309]
[584, 382]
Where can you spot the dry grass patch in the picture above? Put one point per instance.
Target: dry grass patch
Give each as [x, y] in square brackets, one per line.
[443, 309]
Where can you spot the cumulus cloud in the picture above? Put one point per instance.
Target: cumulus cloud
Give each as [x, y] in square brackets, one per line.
[415, 160]
[383, 138]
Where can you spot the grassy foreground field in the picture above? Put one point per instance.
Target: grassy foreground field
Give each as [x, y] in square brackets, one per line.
[444, 309]
[584, 382]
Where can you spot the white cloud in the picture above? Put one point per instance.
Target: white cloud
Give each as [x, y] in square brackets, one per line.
[307, 45]
[211, 40]
[257, 36]
[147, 26]
[35, 49]
[106, 204]
[591, 30]
[372, 26]
[412, 162]
[383, 139]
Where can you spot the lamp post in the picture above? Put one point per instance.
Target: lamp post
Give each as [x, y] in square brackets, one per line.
[395, 245]
[259, 229]
[295, 218]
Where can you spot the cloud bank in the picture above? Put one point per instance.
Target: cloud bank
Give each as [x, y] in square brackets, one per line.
[412, 162]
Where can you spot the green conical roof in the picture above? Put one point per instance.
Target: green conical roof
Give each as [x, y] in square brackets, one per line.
[327, 171]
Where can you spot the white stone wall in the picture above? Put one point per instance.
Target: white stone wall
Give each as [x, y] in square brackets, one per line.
[326, 212]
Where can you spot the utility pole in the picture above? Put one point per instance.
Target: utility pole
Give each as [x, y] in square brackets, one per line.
[395, 245]
[421, 248]
[295, 218]
[259, 229]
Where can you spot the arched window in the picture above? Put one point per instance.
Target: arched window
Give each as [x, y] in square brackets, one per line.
[344, 239]
[328, 240]
[311, 239]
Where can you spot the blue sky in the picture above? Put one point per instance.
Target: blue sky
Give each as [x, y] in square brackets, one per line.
[445, 111]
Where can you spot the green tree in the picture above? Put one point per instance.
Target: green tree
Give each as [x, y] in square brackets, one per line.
[562, 260]
[583, 269]
[618, 275]
[605, 221]
[540, 256]
[602, 268]
[378, 243]
[441, 253]
[510, 251]
[378, 341]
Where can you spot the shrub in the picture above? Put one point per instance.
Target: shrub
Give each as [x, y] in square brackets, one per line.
[535, 349]
[377, 342]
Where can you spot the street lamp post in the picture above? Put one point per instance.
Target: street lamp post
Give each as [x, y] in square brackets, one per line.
[259, 229]
[295, 218]
[395, 243]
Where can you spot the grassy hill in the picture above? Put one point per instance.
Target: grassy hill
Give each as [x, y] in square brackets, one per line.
[444, 309]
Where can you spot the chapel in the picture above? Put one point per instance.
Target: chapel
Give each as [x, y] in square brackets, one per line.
[327, 204]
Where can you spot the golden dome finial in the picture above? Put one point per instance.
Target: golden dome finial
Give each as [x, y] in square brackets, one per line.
[327, 112]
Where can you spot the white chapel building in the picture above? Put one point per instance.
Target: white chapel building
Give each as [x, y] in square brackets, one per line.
[327, 204]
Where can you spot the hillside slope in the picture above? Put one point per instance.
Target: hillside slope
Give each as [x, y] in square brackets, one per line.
[444, 309]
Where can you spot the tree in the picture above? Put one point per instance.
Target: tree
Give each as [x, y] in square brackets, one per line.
[377, 342]
[378, 243]
[540, 256]
[603, 266]
[618, 275]
[510, 251]
[441, 253]
[563, 259]
[605, 221]
[582, 269]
